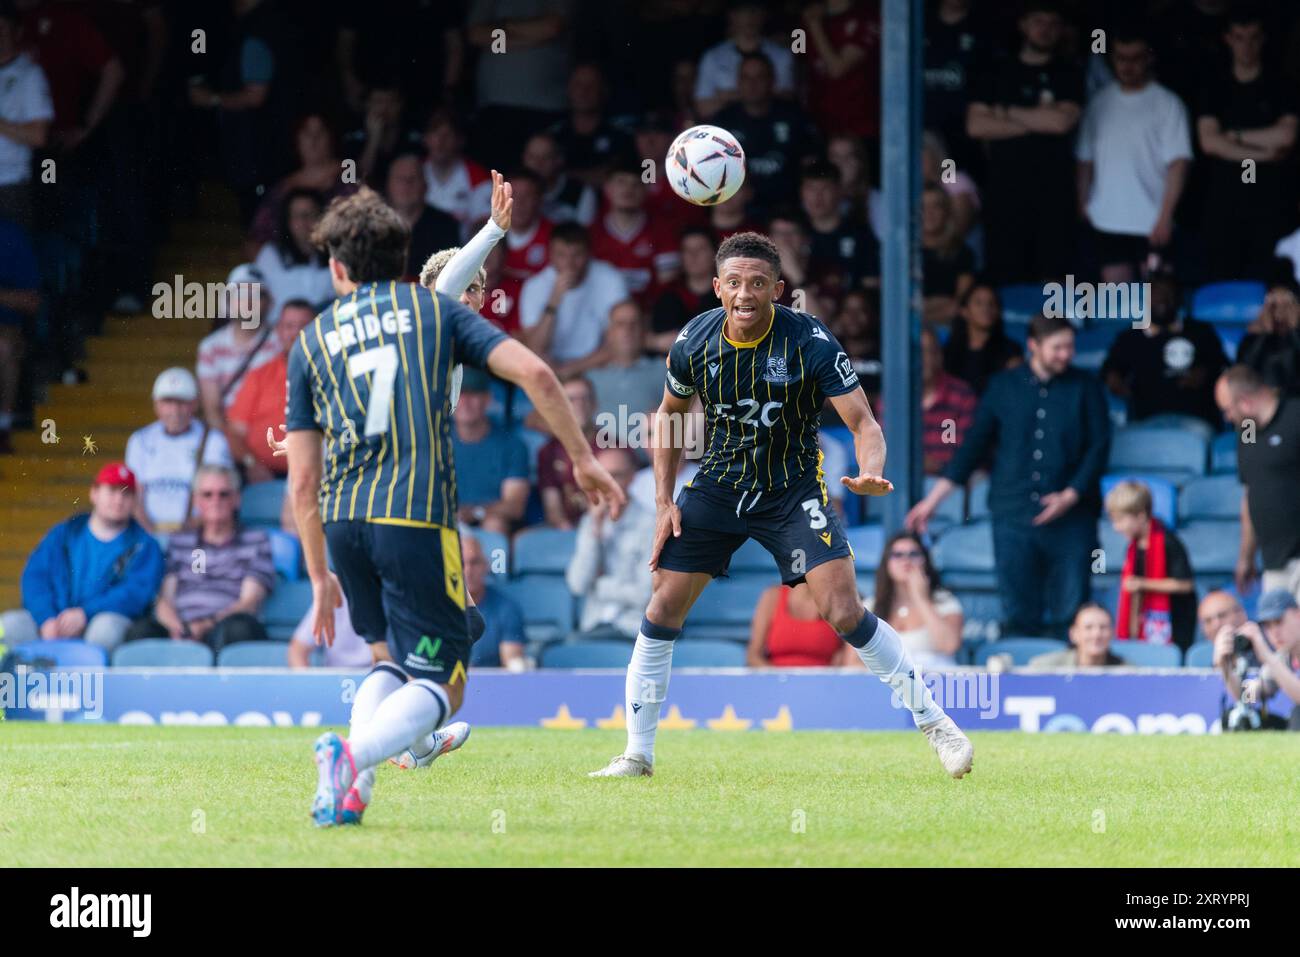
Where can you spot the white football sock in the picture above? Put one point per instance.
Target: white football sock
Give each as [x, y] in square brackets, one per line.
[646, 688]
[889, 661]
[404, 717]
[382, 681]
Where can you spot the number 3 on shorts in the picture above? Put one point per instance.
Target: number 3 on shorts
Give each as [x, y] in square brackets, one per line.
[383, 363]
[816, 517]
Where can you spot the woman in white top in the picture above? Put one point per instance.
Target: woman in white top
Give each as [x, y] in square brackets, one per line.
[291, 266]
[927, 618]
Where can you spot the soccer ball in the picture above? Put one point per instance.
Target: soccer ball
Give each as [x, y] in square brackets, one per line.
[705, 165]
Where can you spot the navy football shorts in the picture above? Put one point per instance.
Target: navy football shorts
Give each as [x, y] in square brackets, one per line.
[797, 525]
[405, 585]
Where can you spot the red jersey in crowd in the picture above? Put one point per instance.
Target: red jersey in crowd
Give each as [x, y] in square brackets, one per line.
[72, 52]
[647, 257]
[530, 256]
[849, 103]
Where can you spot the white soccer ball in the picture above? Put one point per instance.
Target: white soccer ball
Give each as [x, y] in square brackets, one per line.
[705, 165]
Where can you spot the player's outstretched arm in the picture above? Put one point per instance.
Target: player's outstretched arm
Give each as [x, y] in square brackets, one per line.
[304, 451]
[516, 363]
[868, 444]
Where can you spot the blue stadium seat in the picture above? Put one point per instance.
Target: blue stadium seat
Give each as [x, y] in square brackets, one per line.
[1114, 547]
[1223, 454]
[162, 653]
[254, 654]
[1105, 590]
[964, 554]
[1210, 497]
[1230, 336]
[1212, 546]
[286, 554]
[1021, 303]
[260, 503]
[729, 601]
[1200, 655]
[1021, 650]
[1172, 420]
[1142, 654]
[533, 442]
[867, 542]
[1157, 451]
[1164, 494]
[546, 602]
[977, 500]
[752, 558]
[64, 652]
[1237, 301]
[285, 606]
[708, 653]
[494, 545]
[594, 653]
[981, 615]
[1092, 344]
[543, 551]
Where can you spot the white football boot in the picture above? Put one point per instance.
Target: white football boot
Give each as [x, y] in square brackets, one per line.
[955, 751]
[448, 739]
[625, 766]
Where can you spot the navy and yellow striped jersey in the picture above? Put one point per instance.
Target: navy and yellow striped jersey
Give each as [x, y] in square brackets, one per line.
[372, 373]
[762, 399]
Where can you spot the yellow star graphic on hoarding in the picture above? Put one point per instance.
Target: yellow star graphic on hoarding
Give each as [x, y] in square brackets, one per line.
[675, 721]
[729, 721]
[615, 722]
[564, 720]
[782, 722]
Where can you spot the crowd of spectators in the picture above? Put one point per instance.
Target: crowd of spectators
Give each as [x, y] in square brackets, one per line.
[1045, 156]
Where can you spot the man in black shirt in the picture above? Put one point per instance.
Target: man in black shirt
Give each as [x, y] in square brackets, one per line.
[957, 46]
[1268, 464]
[1246, 126]
[775, 134]
[586, 137]
[1046, 426]
[1026, 111]
[1170, 365]
[850, 247]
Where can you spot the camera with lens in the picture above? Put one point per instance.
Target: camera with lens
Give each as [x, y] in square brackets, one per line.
[1242, 716]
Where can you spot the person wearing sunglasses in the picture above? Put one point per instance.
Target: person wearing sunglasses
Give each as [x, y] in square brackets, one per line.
[927, 617]
[218, 574]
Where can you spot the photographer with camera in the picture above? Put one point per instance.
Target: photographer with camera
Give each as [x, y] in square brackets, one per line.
[1221, 616]
[1272, 642]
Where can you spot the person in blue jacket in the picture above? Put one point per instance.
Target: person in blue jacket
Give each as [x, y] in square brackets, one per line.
[91, 575]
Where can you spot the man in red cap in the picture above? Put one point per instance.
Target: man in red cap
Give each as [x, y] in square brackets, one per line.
[92, 574]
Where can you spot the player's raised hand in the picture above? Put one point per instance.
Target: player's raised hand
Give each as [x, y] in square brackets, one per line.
[326, 595]
[503, 202]
[865, 484]
[668, 521]
[279, 447]
[600, 487]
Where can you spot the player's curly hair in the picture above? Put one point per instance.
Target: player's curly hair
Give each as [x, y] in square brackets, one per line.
[366, 235]
[438, 262]
[749, 246]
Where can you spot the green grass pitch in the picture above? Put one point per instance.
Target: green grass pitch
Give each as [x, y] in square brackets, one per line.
[122, 796]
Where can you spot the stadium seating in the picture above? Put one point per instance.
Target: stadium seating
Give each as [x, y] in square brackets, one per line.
[708, 653]
[951, 511]
[867, 542]
[1212, 546]
[594, 653]
[1164, 494]
[162, 653]
[964, 554]
[977, 500]
[1141, 654]
[1020, 649]
[65, 653]
[494, 544]
[1238, 301]
[1173, 420]
[1200, 655]
[1105, 591]
[1092, 343]
[1223, 454]
[285, 606]
[1165, 452]
[1209, 498]
[543, 551]
[286, 554]
[1020, 304]
[547, 605]
[753, 559]
[254, 654]
[260, 503]
[729, 601]
[981, 615]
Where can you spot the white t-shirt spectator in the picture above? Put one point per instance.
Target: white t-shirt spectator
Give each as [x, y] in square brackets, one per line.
[286, 281]
[642, 489]
[24, 98]
[165, 465]
[917, 641]
[349, 649]
[220, 357]
[1288, 247]
[465, 194]
[720, 67]
[583, 313]
[1131, 138]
